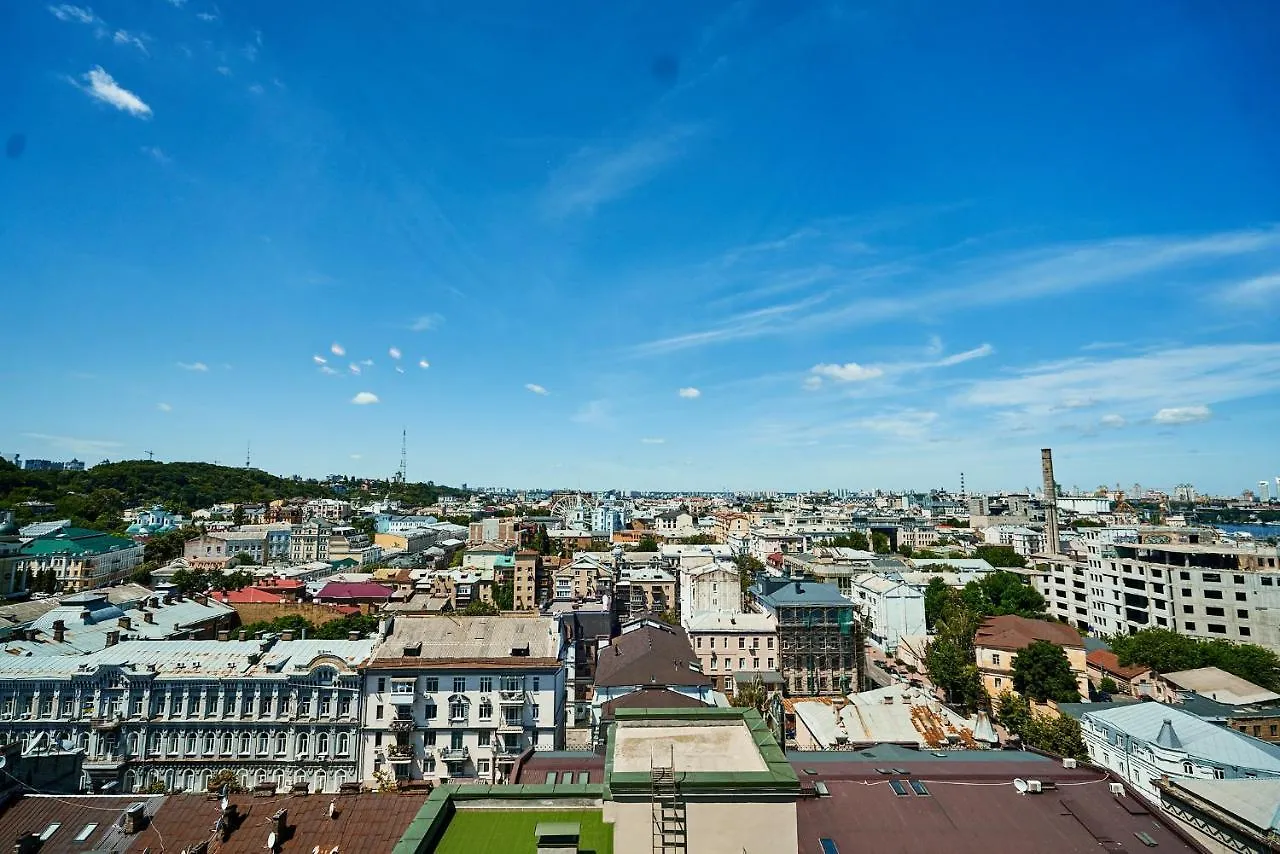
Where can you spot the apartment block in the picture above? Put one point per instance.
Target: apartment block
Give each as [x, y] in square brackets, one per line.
[176, 713]
[820, 635]
[449, 698]
[80, 558]
[728, 644]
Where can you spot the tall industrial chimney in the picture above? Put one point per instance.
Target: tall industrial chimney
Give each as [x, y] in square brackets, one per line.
[1050, 502]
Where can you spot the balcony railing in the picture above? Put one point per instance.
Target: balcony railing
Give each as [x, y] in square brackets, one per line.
[403, 725]
[106, 724]
[516, 697]
[455, 754]
[510, 725]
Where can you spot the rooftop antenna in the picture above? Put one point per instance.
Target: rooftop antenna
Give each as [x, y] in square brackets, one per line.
[247, 447]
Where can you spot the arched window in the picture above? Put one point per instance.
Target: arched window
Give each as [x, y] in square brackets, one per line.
[244, 742]
[322, 744]
[459, 707]
[208, 743]
[338, 779]
[226, 743]
[133, 744]
[343, 744]
[263, 742]
[303, 743]
[320, 781]
[191, 743]
[282, 744]
[189, 780]
[486, 709]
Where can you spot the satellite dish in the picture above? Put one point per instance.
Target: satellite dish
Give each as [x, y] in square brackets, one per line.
[271, 840]
[1020, 784]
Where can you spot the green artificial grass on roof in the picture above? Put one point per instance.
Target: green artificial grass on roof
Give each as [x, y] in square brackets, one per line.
[472, 831]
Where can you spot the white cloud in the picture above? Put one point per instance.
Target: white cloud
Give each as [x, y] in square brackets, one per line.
[368, 363]
[689, 393]
[1183, 415]
[399, 370]
[394, 352]
[193, 366]
[223, 70]
[337, 349]
[177, 4]
[354, 368]
[1112, 421]
[164, 407]
[79, 14]
[157, 154]
[904, 424]
[207, 17]
[75, 444]
[536, 389]
[812, 383]
[356, 456]
[425, 322]
[364, 398]
[102, 86]
[967, 356]
[325, 369]
[653, 441]
[256, 89]
[912, 287]
[595, 175]
[424, 364]
[850, 372]
[126, 37]
[319, 360]
[1256, 290]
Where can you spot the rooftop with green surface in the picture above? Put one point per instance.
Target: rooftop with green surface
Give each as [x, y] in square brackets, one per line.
[476, 830]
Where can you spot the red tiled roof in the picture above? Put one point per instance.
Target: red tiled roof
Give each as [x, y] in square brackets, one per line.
[1013, 633]
[364, 590]
[1108, 662]
[253, 595]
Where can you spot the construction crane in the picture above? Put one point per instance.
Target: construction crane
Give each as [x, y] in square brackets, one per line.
[151, 455]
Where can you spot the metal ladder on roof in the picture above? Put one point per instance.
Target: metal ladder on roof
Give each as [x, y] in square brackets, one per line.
[669, 830]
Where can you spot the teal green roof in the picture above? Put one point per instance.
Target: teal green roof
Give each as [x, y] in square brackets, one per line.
[76, 541]
[506, 561]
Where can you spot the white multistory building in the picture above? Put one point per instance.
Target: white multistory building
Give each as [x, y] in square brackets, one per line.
[460, 698]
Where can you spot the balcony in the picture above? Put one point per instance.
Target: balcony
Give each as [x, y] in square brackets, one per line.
[106, 724]
[399, 755]
[402, 698]
[455, 754]
[403, 725]
[510, 725]
[517, 697]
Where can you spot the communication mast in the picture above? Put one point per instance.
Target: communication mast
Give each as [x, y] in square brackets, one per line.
[404, 456]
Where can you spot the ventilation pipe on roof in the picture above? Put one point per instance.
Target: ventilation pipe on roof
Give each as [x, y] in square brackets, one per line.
[113, 637]
[125, 623]
[134, 819]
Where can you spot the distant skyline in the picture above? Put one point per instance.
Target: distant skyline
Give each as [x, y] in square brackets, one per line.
[731, 245]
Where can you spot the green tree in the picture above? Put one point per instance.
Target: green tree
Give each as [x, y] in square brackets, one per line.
[456, 560]
[905, 550]
[1108, 686]
[479, 608]
[1052, 733]
[647, 544]
[880, 543]
[237, 515]
[949, 657]
[669, 617]
[542, 541]
[503, 595]
[1009, 593]
[936, 595]
[750, 695]
[1000, 556]
[241, 559]
[1042, 672]
[1166, 651]
[855, 540]
[749, 567]
[698, 540]
[366, 525]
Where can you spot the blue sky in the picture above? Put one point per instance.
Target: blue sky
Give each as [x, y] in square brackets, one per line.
[647, 244]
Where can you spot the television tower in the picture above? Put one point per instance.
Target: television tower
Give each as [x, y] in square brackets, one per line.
[247, 447]
[404, 455]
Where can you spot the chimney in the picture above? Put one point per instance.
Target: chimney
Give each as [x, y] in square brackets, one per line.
[286, 635]
[278, 822]
[148, 617]
[113, 637]
[28, 843]
[86, 617]
[59, 631]
[244, 635]
[125, 623]
[224, 635]
[1050, 503]
[353, 636]
[135, 818]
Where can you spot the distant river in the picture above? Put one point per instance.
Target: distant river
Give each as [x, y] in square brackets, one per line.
[1259, 531]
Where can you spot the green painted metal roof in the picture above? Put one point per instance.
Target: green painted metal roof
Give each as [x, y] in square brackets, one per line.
[76, 541]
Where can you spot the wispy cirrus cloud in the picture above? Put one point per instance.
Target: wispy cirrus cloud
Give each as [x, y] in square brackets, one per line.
[76, 14]
[689, 393]
[853, 372]
[597, 174]
[1258, 290]
[157, 154]
[593, 412]
[426, 322]
[200, 367]
[536, 389]
[975, 281]
[101, 86]
[653, 441]
[75, 444]
[133, 40]
[164, 407]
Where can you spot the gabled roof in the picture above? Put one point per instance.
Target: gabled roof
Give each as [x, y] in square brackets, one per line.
[649, 655]
[1012, 632]
[1254, 801]
[1218, 684]
[650, 698]
[99, 815]
[354, 590]
[1108, 662]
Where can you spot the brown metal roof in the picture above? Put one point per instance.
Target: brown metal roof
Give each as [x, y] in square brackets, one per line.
[650, 698]
[649, 655]
[539, 764]
[73, 814]
[976, 812]
[1012, 632]
[1108, 662]
[370, 823]
[414, 662]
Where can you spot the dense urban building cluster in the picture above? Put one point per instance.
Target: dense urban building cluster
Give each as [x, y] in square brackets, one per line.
[661, 672]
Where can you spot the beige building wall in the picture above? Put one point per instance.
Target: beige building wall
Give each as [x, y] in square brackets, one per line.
[751, 827]
[723, 654]
[996, 667]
